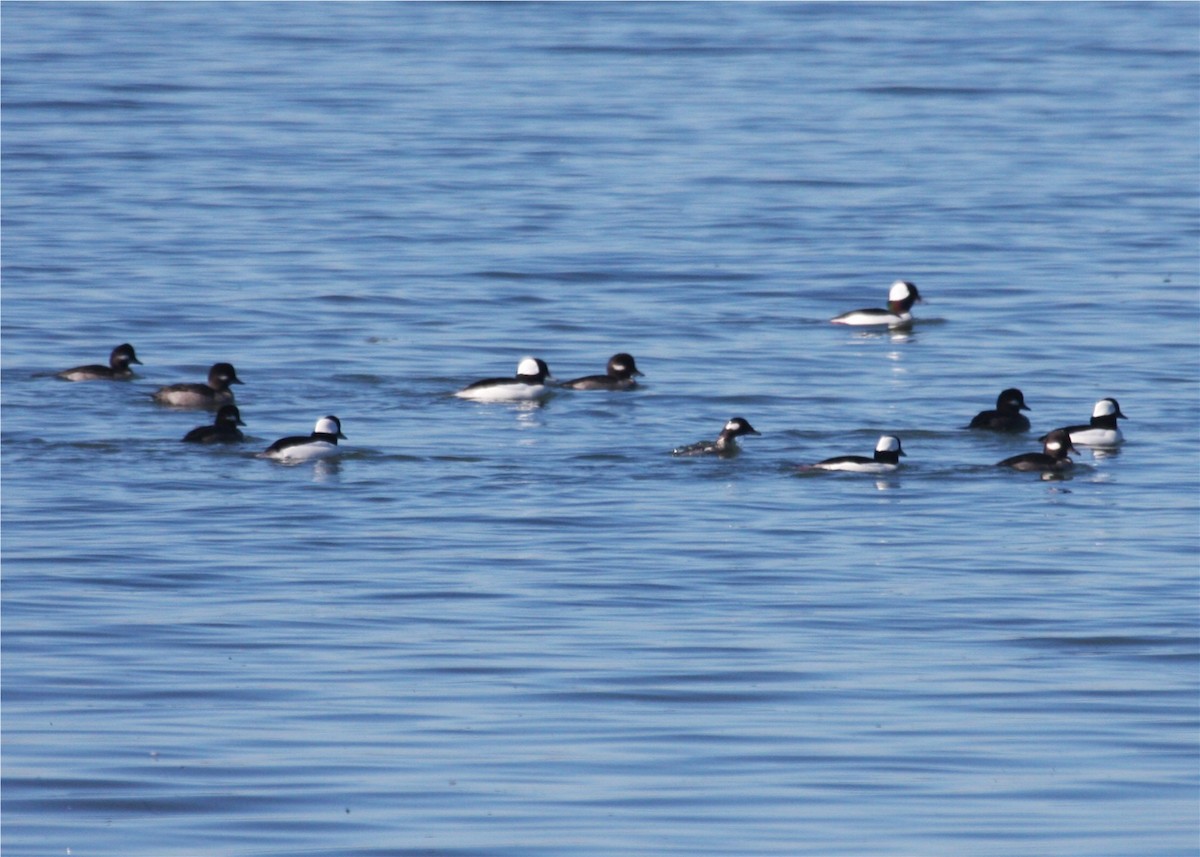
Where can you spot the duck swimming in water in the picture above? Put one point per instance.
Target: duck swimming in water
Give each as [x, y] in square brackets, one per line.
[212, 394]
[901, 298]
[1052, 459]
[224, 428]
[725, 444]
[619, 375]
[886, 459]
[1103, 430]
[1007, 416]
[116, 370]
[322, 443]
[528, 384]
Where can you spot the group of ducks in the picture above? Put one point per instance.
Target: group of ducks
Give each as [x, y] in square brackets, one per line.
[1102, 431]
[532, 382]
[214, 393]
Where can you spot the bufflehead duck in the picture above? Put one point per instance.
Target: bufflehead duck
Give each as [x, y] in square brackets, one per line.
[1103, 429]
[901, 297]
[887, 459]
[529, 384]
[620, 372]
[726, 442]
[224, 428]
[116, 370]
[322, 443]
[210, 395]
[1007, 416]
[1052, 459]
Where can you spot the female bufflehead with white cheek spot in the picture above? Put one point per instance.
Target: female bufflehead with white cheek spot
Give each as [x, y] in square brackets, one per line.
[1007, 416]
[1103, 429]
[725, 444]
[1052, 459]
[901, 297]
[322, 443]
[619, 376]
[116, 370]
[224, 428]
[212, 394]
[887, 459]
[529, 384]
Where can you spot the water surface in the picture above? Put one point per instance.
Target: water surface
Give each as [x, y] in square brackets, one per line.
[500, 630]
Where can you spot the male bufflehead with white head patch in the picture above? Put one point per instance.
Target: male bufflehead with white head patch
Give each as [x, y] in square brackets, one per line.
[1007, 416]
[1103, 429]
[116, 370]
[529, 384]
[726, 442]
[886, 459]
[212, 394]
[619, 376]
[901, 297]
[224, 428]
[322, 443]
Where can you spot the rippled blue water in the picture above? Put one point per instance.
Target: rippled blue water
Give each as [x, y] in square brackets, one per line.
[497, 630]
